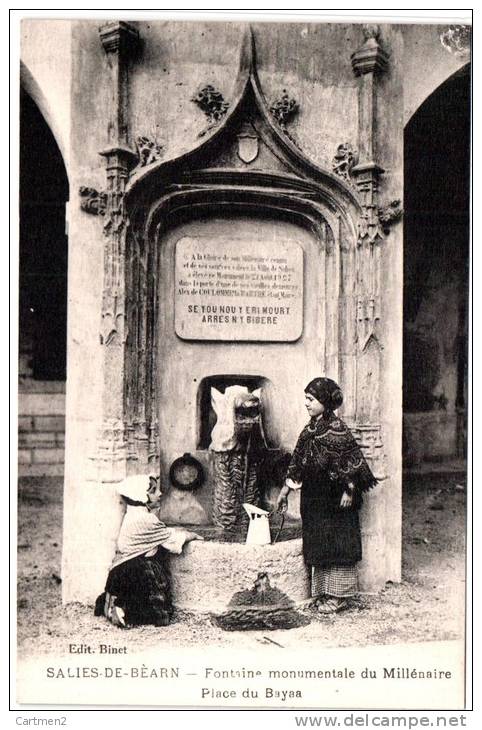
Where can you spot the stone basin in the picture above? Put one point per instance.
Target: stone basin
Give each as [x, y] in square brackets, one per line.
[209, 575]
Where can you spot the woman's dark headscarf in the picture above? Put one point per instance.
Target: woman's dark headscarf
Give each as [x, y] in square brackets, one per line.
[326, 391]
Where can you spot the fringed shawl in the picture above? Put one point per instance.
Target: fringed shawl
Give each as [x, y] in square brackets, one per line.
[327, 445]
[141, 531]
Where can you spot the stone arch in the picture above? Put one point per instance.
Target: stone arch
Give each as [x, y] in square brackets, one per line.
[43, 194]
[449, 76]
[429, 85]
[241, 193]
[436, 245]
[29, 84]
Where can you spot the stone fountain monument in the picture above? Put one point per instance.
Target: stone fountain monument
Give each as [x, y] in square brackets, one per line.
[236, 267]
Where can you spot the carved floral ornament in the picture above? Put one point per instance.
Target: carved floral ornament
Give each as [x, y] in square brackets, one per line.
[212, 103]
[344, 160]
[456, 39]
[390, 213]
[149, 150]
[92, 200]
[95, 201]
[284, 109]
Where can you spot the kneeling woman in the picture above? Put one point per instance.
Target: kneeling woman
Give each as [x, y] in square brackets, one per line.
[138, 589]
[331, 471]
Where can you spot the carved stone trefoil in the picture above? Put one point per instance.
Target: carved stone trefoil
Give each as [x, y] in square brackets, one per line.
[456, 40]
[92, 201]
[284, 110]
[389, 214]
[344, 160]
[149, 151]
[212, 103]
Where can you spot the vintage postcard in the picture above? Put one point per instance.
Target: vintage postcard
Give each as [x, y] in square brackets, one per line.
[243, 362]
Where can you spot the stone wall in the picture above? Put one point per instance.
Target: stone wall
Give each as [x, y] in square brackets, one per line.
[41, 429]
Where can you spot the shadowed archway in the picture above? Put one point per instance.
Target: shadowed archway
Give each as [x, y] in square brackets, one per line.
[436, 270]
[44, 192]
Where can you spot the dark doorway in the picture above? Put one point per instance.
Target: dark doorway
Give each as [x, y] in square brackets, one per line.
[436, 271]
[44, 192]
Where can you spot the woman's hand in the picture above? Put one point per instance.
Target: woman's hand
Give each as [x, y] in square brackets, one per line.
[192, 536]
[282, 501]
[347, 497]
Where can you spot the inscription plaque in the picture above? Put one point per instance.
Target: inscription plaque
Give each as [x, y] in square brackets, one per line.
[235, 289]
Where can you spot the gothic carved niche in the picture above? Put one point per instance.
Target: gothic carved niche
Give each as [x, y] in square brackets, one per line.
[115, 213]
[390, 214]
[212, 103]
[92, 200]
[284, 110]
[153, 441]
[369, 438]
[369, 227]
[149, 151]
[374, 224]
[368, 383]
[456, 40]
[344, 160]
[368, 314]
[107, 461]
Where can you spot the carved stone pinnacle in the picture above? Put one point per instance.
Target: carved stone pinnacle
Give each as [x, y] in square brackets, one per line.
[119, 36]
[370, 58]
[371, 30]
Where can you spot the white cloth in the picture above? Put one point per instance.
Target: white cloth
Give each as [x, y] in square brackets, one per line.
[135, 488]
[142, 531]
[293, 485]
[223, 436]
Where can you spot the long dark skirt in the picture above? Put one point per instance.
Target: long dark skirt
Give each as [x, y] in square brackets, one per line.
[331, 534]
[141, 588]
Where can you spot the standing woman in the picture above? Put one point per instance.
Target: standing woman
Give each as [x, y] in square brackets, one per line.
[331, 471]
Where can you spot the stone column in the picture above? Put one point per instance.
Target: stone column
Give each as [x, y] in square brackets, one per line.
[368, 63]
[91, 504]
[120, 41]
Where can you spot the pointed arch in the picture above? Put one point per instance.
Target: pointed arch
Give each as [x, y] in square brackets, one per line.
[436, 267]
[32, 88]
